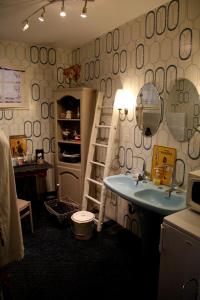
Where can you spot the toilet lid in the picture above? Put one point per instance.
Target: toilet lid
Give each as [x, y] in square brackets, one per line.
[82, 216]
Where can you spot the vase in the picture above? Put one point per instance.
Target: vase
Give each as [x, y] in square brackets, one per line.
[73, 83]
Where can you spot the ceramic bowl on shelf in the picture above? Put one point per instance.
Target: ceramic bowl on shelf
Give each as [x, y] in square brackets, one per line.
[68, 114]
[71, 158]
[77, 137]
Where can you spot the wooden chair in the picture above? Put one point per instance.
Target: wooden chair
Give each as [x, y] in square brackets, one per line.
[24, 208]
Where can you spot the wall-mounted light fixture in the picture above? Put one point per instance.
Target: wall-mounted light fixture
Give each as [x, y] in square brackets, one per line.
[41, 10]
[121, 101]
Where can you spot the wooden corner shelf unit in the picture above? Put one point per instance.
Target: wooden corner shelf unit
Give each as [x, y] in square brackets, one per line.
[74, 113]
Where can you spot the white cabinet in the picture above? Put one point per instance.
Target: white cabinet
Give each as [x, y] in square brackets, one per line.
[74, 113]
[179, 276]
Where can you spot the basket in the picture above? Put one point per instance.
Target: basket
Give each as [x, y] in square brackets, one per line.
[60, 209]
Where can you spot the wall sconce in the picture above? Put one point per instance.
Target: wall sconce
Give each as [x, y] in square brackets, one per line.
[120, 101]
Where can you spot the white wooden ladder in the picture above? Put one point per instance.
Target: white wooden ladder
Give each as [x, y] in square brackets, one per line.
[91, 183]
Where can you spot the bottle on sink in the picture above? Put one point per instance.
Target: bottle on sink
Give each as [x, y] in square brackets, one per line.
[158, 175]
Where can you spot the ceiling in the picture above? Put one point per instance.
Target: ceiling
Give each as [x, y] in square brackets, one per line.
[71, 31]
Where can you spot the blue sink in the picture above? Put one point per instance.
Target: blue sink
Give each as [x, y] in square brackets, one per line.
[159, 200]
[123, 185]
[145, 194]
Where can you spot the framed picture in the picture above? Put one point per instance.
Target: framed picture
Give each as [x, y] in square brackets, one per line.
[18, 145]
[13, 91]
[164, 159]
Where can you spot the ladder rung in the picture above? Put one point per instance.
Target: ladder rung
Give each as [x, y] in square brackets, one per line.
[100, 145]
[93, 199]
[95, 181]
[103, 126]
[97, 163]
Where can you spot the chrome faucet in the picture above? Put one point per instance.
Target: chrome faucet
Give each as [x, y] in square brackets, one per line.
[140, 178]
[172, 188]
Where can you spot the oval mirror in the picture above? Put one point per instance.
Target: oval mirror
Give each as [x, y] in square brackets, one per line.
[183, 110]
[148, 109]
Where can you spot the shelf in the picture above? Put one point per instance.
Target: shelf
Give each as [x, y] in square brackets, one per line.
[71, 164]
[69, 142]
[64, 120]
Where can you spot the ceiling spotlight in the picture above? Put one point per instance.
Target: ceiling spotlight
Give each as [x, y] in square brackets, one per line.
[62, 12]
[84, 11]
[41, 11]
[26, 25]
[41, 17]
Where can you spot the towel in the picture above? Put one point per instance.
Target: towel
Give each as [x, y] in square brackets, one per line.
[11, 240]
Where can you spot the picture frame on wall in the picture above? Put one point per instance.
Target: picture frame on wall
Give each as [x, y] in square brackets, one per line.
[13, 88]
[18, 145]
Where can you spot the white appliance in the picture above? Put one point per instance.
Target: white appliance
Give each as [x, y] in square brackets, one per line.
[193, 190]
[179, 277]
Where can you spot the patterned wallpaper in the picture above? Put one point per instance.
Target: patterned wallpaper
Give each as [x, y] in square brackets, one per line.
[43, 68]
[159, 47]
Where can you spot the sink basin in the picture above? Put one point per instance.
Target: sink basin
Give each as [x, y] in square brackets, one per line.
[123, 185]
[159, 200]
[145, 194]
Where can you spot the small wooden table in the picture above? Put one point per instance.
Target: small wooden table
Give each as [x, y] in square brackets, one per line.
[31, 180]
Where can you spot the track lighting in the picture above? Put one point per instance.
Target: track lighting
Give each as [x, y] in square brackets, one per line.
[84, 11]
[41, 18]
[25, 25]
[62, 11]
